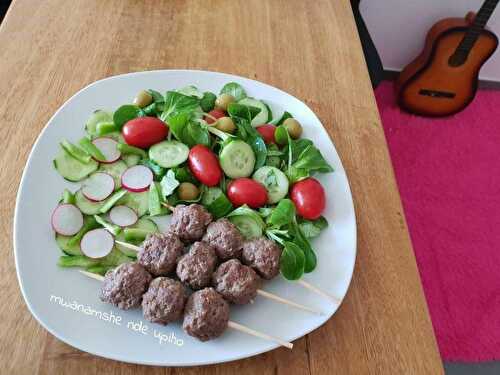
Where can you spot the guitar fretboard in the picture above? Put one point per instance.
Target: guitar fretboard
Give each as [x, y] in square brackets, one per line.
[478, 25]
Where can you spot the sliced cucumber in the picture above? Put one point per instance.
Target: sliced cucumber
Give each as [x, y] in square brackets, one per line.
[237, 159]
[263, 116]
[87, 206]
[117, 136]
[131, 159]
[168, 154]
[248, 227]
[216, 202]
[275, 182]
[137, 201]
[143, 223]
[116, 170]
[72, 169]
[62, 242]
[97, 117]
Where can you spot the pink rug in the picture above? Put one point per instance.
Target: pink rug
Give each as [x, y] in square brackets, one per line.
[448, 172]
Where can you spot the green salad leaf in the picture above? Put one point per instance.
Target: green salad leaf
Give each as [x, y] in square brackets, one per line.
[207, 102]
[189, 131]
[177, 103]
[168, 184]
[126, 113]
[304, 159]
[234, 89]
[282, 214]
[158, 172]
[292, 261]
[301, 241]
[191, 91]
[157, 96]
[312, 228]
[247, 211]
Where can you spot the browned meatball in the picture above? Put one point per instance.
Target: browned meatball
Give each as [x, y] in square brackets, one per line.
[236, 282]
[225, 238]
[263, 255]
[125, 285]
[197, 266]
[206, 314]
[164, 301]
[190, 222]
[159, 253]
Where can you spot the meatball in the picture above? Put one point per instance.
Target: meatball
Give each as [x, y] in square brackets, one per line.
[164, 301]
[236, 282]
[125, 285]
[206, 315]
[190, 222]
[197, 266]
[159, 253]
[263, 255]
[225, 238]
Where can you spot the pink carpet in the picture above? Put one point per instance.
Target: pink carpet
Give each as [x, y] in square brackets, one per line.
[448, 172]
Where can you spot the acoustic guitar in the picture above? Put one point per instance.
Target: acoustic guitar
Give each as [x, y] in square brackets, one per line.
[443, 79]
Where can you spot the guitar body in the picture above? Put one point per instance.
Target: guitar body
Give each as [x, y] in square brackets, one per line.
[429, 85]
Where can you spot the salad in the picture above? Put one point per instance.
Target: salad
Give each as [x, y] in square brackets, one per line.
[227, 152]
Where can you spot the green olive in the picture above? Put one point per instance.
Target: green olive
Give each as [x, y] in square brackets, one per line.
[294, 128]
[187, 191]
[143, 99]
[223, 101]
[225, 124]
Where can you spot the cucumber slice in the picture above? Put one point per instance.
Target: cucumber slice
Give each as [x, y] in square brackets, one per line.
[248, 227]
[237, 159]
[97, 117]
[131, 159]
[216, 202]
[137, 201]
[72, 169]
[168, 154]
[263, 116]
[62, 242]
[117, 136]
[144, 224]
[275, 182]
[87, 206]
[115, 170]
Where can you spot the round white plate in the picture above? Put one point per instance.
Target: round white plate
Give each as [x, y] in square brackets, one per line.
[66, 303]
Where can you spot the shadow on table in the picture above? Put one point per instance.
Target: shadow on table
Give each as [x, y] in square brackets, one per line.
[4, 5]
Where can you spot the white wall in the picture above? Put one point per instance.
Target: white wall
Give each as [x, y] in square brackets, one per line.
[398, 28]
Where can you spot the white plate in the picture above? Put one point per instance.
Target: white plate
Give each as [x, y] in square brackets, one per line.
[42, 281]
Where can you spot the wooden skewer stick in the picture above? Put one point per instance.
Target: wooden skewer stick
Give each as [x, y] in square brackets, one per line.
[170, 207]
[261, 292]
[316, 290]
[230, 324]
[265, 336]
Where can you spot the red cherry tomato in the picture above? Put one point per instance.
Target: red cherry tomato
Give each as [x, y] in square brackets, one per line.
[309, 198]
[267, 133]
[217, 113]
[204, 165]
[144, 131]
[247, 191]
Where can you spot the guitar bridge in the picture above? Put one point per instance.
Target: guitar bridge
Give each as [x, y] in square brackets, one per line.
[437, 93]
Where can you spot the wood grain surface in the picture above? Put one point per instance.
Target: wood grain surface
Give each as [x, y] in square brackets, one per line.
[51, 49]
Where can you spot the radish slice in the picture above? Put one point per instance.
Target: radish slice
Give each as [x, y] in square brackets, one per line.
[123, 216]
[98, 186]
[137, 178]
[67, 219]
[97, 243]
[109, 149]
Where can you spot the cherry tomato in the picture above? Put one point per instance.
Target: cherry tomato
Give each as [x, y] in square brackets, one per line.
[309, 198]
[247, 191]
[267, 133]
[217, 113]
[144, 131]
[204, 165]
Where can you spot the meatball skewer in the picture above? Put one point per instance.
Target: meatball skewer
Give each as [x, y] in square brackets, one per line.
[250, 288]
[206, 312]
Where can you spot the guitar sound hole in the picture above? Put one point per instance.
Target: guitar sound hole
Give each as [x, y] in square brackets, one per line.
[457, 59]
[437, 94]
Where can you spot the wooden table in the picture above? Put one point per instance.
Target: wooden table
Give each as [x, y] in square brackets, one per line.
[51, 49]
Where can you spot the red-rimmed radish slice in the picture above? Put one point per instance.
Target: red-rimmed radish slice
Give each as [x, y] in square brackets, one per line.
[97, 243]
[109, 149]
[67, 219]
[123, 216]
[98, 186]
[137, 178]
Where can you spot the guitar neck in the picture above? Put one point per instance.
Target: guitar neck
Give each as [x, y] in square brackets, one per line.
[477, 26]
